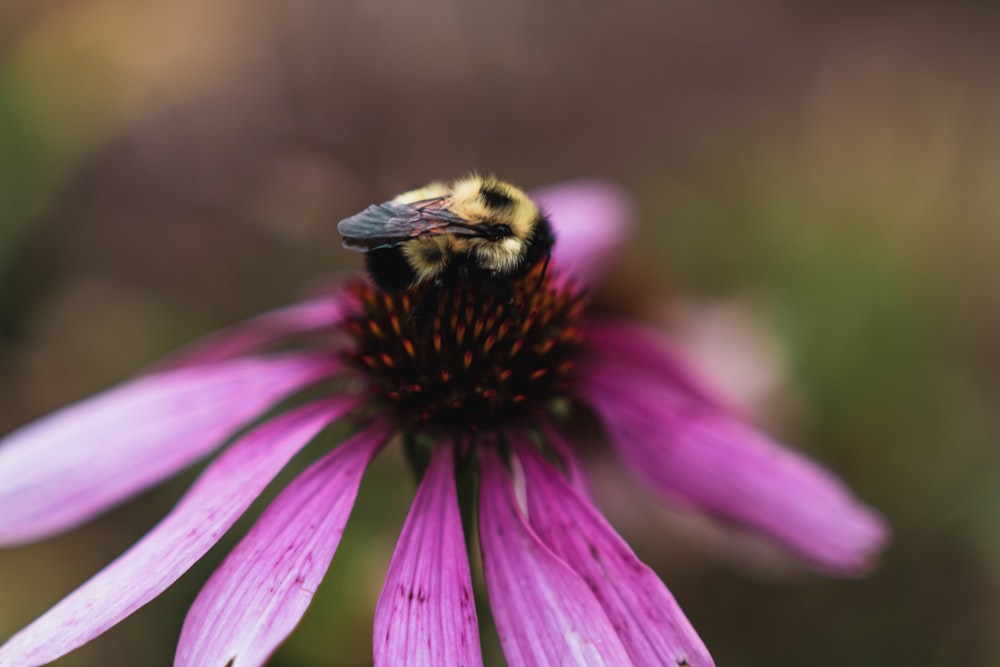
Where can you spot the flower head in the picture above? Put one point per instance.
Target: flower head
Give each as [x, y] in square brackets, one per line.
[468, 377]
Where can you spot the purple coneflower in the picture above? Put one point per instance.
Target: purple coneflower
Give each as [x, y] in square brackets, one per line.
[487, 391]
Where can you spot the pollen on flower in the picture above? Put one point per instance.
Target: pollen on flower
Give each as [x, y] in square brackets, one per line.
[466, 355]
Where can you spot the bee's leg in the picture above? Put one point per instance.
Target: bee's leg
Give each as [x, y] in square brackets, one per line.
[428, 304]
[513, 311]
[505, 292]
[503, 287]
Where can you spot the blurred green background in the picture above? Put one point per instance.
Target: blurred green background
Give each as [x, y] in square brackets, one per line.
[818, 200]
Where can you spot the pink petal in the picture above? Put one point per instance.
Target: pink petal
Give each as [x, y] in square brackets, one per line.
[257, 333]
[704, 457]
[67, 467]
[545, 614]
[426, 615]
[591, 220]
[636, 350]
[222, 493]
[574, 469]
[649, 622]
[258, 595]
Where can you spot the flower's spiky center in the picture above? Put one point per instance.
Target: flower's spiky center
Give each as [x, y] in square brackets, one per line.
[467, 356]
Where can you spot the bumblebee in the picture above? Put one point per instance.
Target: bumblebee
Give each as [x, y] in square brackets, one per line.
[476, 229]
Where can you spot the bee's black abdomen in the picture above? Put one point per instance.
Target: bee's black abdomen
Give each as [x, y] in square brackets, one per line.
[389, 269]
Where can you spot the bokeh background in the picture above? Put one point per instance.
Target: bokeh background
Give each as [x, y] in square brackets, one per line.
[817, 189]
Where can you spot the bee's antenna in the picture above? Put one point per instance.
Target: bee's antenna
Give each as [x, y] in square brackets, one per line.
[545, 269]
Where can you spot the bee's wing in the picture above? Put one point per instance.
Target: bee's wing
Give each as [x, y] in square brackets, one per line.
[392, 223]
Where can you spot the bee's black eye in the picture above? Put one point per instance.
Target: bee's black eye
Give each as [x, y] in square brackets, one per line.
[494, 198]
[498, 232]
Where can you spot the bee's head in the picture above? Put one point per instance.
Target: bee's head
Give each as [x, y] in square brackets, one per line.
[505, 216]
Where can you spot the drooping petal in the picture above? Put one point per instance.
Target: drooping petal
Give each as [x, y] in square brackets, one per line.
[648, 620]
[260, 592]
[637, 350]
[426, 615]
[67, 467]
[699, 455]
[591, 220]
[265, 329]
[575, 472]
[222, 493]
[544, 612]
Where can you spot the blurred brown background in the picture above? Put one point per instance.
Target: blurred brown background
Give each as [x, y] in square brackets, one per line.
[822, 178]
